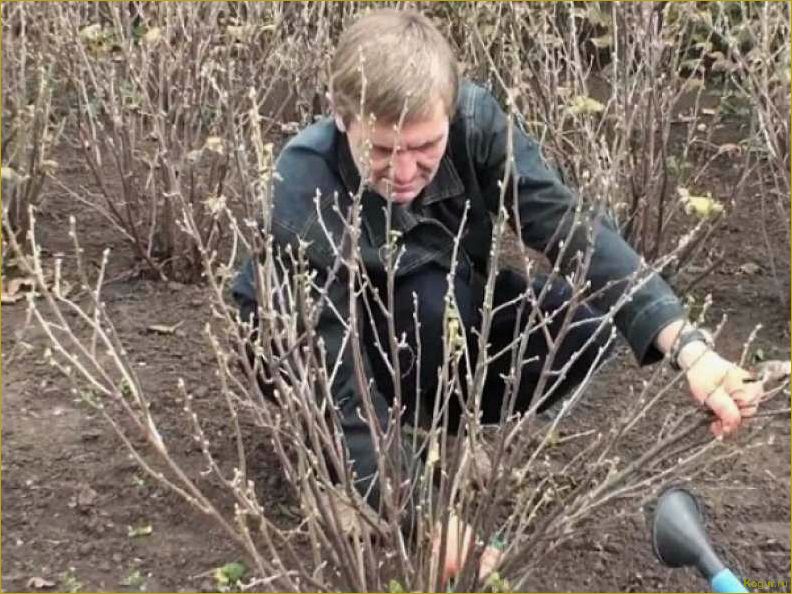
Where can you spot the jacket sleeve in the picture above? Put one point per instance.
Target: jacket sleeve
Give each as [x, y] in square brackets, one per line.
[546, 215]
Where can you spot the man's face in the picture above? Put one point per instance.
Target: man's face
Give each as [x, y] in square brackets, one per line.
[401, 163]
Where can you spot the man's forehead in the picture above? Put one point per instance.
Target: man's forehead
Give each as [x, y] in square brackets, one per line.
[407, 141]
[410, 134]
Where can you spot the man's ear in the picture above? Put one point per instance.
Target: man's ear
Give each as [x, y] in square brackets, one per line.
[339, 121]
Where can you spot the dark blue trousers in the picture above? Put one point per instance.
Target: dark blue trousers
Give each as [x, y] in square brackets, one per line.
[430, 285]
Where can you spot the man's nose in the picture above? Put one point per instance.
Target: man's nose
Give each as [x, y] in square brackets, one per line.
[404, 167]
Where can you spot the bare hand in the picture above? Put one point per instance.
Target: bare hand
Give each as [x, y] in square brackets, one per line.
[458, 542]
[725, 388]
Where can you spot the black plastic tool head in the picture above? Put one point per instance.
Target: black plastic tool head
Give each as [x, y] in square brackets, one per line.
[678, 536]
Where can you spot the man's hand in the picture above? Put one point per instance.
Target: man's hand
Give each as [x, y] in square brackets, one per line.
[725, 388]
[458, 544]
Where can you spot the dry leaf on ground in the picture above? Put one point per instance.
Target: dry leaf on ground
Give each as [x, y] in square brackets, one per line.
[163, 329]
[750, 268]
[39, 583]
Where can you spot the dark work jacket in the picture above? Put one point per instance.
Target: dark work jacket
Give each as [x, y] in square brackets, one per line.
[317, 165]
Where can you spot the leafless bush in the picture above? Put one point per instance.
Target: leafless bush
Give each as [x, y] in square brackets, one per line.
[156, 92]
[755, 39]
[604, 88]
[576, 76]
[534, 493]
[30, 129]
[200, 176]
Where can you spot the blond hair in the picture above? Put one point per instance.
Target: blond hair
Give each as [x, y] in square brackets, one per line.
[406, 64]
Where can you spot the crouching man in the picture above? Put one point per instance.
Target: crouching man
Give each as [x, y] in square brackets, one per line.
[429, 144]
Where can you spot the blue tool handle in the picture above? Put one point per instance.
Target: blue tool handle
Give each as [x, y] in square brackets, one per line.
[726, 581]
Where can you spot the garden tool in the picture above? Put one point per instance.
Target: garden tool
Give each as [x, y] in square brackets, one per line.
[679, 540]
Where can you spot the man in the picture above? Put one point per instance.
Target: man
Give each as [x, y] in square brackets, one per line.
[427, 144]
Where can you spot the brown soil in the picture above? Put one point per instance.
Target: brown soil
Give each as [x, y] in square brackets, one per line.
[70, 492]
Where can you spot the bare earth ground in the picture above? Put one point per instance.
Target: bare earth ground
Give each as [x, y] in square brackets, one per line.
[70, 492]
